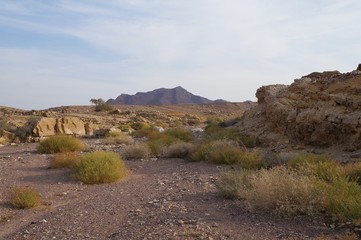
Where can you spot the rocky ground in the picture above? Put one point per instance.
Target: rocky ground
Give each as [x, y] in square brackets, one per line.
[162, 199]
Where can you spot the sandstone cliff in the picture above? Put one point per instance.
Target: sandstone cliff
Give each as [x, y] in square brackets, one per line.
[320, 109]
[48, 126]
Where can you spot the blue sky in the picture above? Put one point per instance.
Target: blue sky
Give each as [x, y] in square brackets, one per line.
[65, 52]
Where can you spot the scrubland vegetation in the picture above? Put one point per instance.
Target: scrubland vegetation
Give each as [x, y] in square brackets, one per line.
[308, 184]
[303, 184]
[90, 168]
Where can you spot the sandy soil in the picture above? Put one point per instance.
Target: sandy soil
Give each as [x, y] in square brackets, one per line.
[162, 199]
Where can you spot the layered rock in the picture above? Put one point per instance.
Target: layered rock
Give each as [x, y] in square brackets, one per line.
[47, 126]
[320, 109]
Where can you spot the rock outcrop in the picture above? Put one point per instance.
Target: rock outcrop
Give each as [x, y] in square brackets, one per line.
[47, 126]
[320, 109]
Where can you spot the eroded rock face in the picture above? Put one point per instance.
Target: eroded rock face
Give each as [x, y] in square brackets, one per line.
[320, 109]
[47, 126]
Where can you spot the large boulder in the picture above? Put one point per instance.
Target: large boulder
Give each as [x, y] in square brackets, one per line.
[320, 109]
[47, 126]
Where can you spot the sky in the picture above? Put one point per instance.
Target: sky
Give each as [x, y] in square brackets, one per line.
[65, 52]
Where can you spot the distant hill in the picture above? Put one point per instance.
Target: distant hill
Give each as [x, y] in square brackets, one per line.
[161, 96]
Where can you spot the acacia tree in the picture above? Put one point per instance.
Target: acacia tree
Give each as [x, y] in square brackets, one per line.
[100, 105]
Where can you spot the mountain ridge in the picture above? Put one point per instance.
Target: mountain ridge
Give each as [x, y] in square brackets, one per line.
[161, 96]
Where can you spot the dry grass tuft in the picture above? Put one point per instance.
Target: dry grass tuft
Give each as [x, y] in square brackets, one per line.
[118, 138]
[23, 197]
[353, 172]
[137, 151]
[64, 160]
[178, 150]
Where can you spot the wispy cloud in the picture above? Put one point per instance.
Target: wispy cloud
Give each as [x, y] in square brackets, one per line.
[218, 49]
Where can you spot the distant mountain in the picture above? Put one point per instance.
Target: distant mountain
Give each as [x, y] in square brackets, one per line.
[161, 96]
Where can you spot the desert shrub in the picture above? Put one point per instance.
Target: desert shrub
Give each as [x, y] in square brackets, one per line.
[26, 130]
[276, 159]
[215, 132]
[139, 125]
[64, 160]
[279, 190]
[137, 151]
[60, 143]
[148, 132]
[23, 197]
[251, 160]
[301, 159]
[158, 143]
[100, 167]
[125, 128]
[353, 172]
[181, 134]
[342, 199]
[178, 150]
[320, 166]
[231, 183]
[5, 126]
[118, 138]
[218, 152]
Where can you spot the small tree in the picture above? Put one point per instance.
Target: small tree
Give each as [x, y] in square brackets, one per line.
[100, 105]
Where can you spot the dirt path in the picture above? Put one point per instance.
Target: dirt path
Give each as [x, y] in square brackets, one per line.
[162, 199]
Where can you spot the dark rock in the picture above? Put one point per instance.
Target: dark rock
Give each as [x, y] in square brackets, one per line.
[161, 96]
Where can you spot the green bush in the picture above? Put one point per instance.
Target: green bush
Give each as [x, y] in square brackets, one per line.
[218, 152]
[23, 197]
[342, 199]
[140, 125]
[161, 141]
[302, 159]
[118, 138]
[320, 166]
[215, 132]
[148, 132]
[278, 190]
[181, 134]
[283, 190]
[64, 160]
[60, 143]
[137, 151]
[100, 167]
[251, 160]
